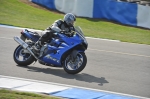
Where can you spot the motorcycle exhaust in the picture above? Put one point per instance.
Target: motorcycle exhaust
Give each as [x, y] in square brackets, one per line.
[24, 45]
[21, 42]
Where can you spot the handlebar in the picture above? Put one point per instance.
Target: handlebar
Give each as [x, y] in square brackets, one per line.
[68, 33]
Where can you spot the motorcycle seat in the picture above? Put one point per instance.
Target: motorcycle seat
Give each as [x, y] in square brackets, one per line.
[33, 33]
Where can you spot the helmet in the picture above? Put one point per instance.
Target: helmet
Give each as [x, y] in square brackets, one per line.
[69, 18]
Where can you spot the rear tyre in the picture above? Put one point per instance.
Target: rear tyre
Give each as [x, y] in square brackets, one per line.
[77, 66]
[21, 58]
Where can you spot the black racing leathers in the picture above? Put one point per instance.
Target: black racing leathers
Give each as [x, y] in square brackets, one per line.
[57, 26]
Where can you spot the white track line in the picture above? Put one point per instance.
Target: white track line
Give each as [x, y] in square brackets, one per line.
[6, 38]
[102, 50]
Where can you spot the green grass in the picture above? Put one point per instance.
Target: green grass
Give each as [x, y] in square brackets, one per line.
[16, 13]
[9, 94]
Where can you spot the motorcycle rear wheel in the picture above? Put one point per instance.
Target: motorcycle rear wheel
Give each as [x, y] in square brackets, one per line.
[77, 66]
[22, 59]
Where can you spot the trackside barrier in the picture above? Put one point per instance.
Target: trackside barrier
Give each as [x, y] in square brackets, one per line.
[123, 12]
[46, 3]
[143, 16]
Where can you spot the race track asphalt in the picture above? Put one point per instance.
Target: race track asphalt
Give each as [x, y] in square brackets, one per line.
[112, 66]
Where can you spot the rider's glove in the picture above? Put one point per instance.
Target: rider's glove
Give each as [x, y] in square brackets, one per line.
[66, 33]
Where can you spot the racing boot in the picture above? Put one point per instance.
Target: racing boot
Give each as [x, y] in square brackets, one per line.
[36, 48]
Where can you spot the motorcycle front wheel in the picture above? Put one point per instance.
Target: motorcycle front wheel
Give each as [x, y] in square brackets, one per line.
[22, 58]
[76, 66]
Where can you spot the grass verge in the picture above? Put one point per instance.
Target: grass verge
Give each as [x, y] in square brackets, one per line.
[18, 13]
[9, 94]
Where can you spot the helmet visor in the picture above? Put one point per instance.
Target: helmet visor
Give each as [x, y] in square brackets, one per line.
[71, 22]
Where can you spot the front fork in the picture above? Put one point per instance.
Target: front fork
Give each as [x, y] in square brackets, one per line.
[74, 55]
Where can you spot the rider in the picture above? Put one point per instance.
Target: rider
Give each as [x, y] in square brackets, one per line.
[62, 26]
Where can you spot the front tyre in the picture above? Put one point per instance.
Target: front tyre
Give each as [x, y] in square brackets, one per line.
[77, 66]
[21, 57]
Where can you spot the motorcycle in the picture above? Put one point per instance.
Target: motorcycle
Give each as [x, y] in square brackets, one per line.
[62, 51]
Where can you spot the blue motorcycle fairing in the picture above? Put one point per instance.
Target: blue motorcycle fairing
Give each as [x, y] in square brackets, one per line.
[61, 45]
[67, 44]
[30, 35]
